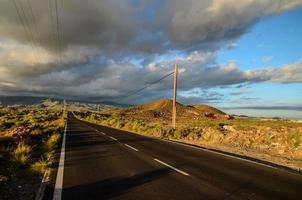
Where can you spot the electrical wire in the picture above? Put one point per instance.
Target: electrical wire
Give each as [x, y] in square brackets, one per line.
[58, 30]
[26, 27]
[52, 28]
[145, 87]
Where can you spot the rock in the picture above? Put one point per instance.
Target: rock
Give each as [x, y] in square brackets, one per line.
[228, 117]
[210, 115]
[229, 128]
[3, 178]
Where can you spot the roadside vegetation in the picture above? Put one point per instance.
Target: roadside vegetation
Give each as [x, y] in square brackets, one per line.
[28, 136]
[274, 140]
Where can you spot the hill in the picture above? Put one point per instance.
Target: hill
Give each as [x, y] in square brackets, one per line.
[21, 100]
[207, 108]
[163, 108]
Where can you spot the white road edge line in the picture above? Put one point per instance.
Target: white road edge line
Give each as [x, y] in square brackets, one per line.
[113, 138]
[103, 133]
[178, 170]
[127, 145]
[59, 180]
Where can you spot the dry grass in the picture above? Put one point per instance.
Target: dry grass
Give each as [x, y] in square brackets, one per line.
[27, 135]
[52, 141]
[21, 154]
[39, 167]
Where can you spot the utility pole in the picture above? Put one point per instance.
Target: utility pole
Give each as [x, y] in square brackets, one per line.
[174, 96]
[64, 108]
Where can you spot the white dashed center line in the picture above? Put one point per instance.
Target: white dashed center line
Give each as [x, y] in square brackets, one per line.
[113, 138]
[127, 145]
[178, 170]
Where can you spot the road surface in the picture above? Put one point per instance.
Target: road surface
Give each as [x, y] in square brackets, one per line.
[105, 163]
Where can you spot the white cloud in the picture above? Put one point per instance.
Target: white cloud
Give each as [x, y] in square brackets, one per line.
[267, 59]
[289, 73]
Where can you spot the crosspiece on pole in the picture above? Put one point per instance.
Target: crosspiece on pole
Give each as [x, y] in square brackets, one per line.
[174, 96]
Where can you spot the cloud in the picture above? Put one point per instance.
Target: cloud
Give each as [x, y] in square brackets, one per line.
[105, 24]
[200, 95]
[267, 59]
[114, 79]
[292, 108]
[118, 28]
[290, 73]
[111, 47]
[213, 20]
[232, 45]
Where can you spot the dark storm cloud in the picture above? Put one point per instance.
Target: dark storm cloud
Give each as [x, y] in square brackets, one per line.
[113, 26]
[103, 24]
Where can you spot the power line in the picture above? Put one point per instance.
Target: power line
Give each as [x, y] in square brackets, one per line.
[27, 22]
[61, 36]
[35, 25]
[51, 22]
[21, 21]
[33, 17]
[25, 26]
[58, 30]
[145, 87]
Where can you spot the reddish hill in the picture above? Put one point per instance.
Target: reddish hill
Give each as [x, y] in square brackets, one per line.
[163, 108]
[205, 108]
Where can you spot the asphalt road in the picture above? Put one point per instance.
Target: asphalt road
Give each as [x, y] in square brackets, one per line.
[105, 163]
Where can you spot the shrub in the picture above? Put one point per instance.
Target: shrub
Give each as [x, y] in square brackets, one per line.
[177, 134]
[36, 132]
[120, 124]
[39, 167]
[21, 153]
[296, 140]
[48, 156]
[52, 141]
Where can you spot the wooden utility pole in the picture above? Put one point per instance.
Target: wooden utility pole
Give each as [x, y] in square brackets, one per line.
[174, 96]
[64, 108]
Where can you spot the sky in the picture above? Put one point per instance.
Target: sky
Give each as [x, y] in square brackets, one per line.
[244, 57]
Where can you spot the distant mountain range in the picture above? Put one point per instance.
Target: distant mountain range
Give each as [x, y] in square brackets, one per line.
[32, 100]
[21, 100]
